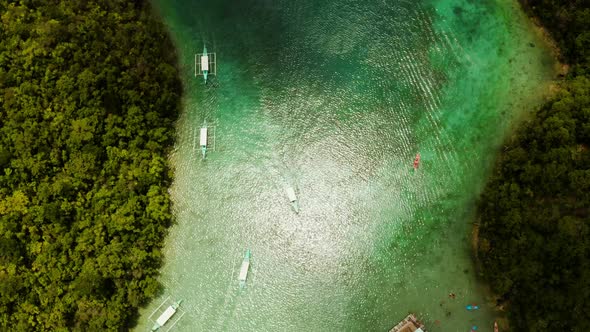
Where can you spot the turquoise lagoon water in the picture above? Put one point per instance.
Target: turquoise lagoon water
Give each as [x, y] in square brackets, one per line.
[335, 98]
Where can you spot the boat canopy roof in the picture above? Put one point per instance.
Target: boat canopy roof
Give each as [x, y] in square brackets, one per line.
[244, 271]
[291, 194]
[165, 316]
[204, 62]
[203, 138]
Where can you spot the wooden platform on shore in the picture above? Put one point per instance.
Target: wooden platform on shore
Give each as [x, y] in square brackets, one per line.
[409, 324]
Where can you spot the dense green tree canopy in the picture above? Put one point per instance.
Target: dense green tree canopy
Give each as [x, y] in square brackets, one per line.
[567, 21]
[89, 93]
[535, 211]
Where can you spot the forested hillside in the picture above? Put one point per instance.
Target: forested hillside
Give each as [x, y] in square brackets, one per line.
[89, 93]
[535, 210]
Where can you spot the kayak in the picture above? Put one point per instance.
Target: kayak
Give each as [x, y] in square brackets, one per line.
[496, 327]
[472, 307]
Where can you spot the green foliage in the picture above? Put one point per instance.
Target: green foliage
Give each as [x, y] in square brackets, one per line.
[89, 92]
[567, 21]
[535, 210]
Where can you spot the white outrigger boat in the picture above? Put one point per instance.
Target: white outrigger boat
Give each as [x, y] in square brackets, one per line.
[244, 269]
[166, 315]
[203, 139]
[293, 198]
[205, 64]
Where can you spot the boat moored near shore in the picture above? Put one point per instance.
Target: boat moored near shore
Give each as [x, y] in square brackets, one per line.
[166, 315]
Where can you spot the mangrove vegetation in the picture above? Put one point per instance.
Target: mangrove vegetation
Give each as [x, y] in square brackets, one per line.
[535, 211]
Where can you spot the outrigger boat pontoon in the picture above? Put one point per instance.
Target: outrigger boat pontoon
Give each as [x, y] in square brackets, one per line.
[166, 315]
[293, 199]
[244, 269]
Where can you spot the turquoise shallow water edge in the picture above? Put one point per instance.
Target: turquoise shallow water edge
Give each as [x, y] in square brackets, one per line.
[336, 98]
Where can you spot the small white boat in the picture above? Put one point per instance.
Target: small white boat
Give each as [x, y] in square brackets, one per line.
[203, 139]
[166, 315]
[205, 63]
[244, 269]
[293, 199]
